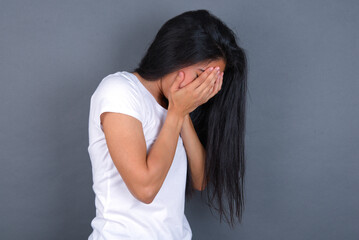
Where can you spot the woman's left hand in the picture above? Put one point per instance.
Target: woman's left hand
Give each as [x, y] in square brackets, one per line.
[216, 87]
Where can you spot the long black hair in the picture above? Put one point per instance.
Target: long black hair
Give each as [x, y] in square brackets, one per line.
[190, 38]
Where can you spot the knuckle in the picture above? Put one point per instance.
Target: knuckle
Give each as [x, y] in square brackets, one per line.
[207, 73]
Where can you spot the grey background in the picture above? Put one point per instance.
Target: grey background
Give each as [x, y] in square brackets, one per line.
[302, 124]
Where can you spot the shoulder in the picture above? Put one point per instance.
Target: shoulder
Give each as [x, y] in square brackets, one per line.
[117, 82]
[118, 93]
[118, 86]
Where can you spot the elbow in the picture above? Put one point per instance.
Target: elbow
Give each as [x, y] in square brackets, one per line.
[200, 187]
[144, 189]
[146, 195]
[147, 200]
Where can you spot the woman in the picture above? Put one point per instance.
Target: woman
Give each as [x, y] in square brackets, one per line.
[173, 125]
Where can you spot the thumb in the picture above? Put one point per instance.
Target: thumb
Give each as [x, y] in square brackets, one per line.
[179, 79]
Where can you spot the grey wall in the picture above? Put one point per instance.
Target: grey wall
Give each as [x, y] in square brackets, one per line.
[302, 133]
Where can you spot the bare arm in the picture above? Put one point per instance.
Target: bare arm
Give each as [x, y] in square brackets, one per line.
[143, 174]
[195, 152]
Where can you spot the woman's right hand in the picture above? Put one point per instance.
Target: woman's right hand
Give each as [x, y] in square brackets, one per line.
[186, 99]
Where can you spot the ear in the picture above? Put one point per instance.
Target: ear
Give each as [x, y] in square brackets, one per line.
[178, 81]
[183, 83]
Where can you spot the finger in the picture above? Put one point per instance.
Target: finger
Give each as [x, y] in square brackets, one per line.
[220, 86]
[211, 88]
[207, 93]
[215, 89]
[198, 81]
[204, 87]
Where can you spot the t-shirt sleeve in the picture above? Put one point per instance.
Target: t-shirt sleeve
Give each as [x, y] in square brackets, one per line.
[116, 94]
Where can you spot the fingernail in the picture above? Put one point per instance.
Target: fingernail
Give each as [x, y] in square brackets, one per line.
[217, 68]
[211, 68]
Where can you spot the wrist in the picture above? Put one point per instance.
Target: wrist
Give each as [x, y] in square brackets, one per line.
[186, 120]
[175, 111]
[176, 118]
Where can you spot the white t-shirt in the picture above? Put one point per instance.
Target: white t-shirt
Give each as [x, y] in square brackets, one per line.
[119, 215]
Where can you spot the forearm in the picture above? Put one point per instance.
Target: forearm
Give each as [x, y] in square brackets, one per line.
[161, 154]
[195, 152]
